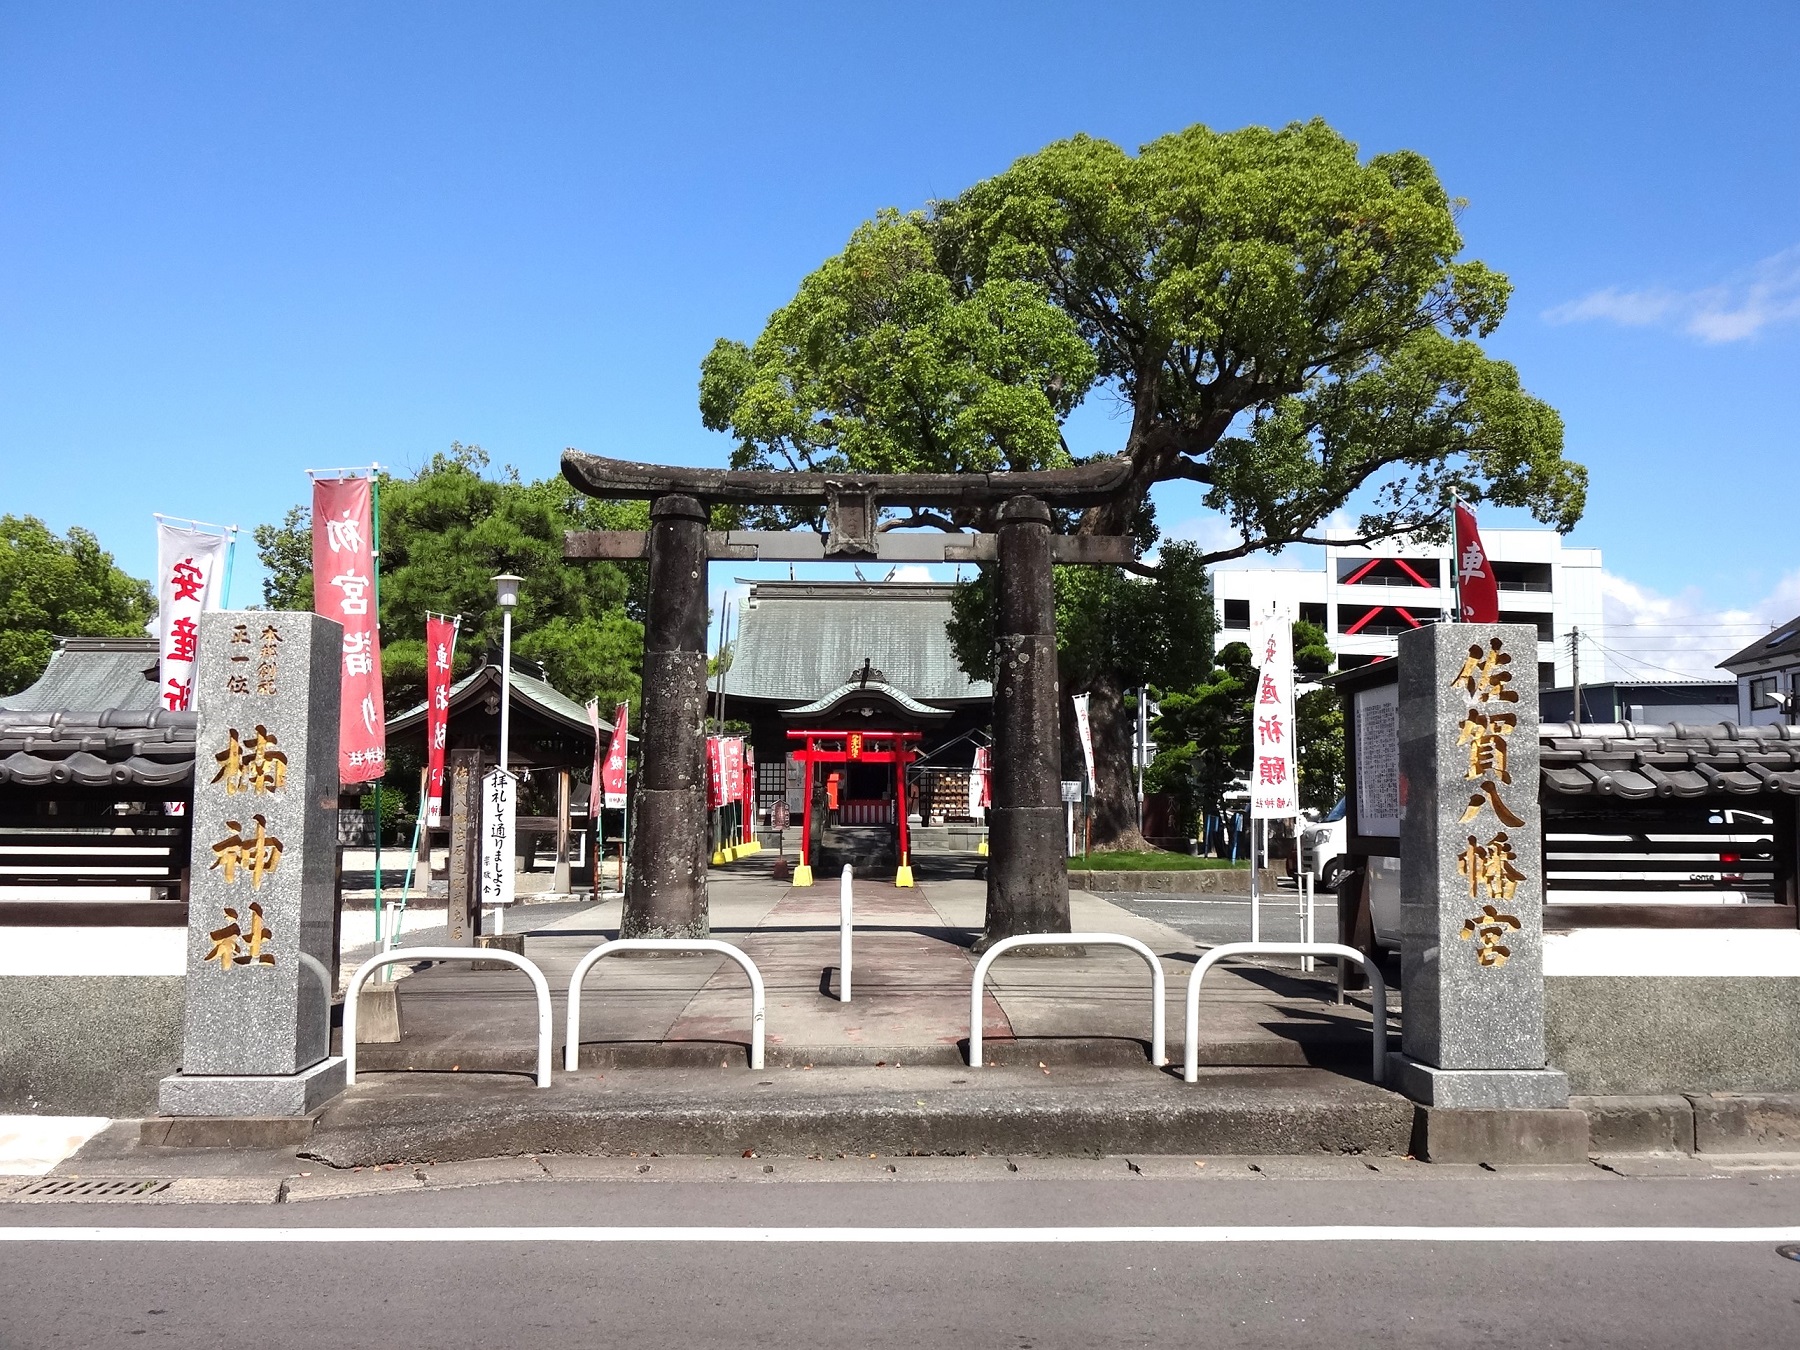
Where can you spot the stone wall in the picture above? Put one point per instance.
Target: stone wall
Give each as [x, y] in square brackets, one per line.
[78, 1045]
[1649, 1034]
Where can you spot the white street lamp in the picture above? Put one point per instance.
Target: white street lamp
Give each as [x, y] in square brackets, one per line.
[506, 590]
[506, 587]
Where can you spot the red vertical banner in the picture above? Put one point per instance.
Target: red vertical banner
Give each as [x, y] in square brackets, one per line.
[344, 589]
[1477, 593]
[612, 772]
[715, 772]
[440, 654]
[734, 769]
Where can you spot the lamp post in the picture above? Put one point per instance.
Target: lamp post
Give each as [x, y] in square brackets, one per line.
[506, 587]
[506, 590]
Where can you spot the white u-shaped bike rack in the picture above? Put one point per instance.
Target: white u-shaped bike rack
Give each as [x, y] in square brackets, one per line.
[1190, 1064]
[1005, 945]
[572, 1045]
[404, 954]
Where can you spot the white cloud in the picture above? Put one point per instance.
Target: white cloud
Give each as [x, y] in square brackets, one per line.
[1765, 296]
[910, 572]
[1654, 636]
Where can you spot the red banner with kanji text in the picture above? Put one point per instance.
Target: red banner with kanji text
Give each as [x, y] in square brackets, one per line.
[1477, 593]
[715, 772]
[612, 772]
[440, 656]
[344, 589]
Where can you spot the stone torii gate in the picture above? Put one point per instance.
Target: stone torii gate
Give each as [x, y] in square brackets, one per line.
[1028, 885]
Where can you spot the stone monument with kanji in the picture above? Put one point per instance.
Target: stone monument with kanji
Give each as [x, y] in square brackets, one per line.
[261, 968]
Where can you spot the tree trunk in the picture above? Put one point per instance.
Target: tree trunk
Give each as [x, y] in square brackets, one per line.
[1114, 801]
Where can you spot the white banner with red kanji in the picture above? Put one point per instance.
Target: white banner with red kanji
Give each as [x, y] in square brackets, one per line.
[187, 571]
[980, 785]
[440, 658]
[1085, 730]
[1274, 786]
[344, 589]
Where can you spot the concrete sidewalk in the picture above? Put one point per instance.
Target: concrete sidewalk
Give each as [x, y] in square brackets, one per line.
[912, 973]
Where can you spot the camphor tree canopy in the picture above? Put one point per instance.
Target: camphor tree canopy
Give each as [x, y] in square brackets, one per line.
[53, 587]
[1288, 325]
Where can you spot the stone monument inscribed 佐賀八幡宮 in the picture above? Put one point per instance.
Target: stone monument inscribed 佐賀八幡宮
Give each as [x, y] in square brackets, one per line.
[1471, 871]
[260, 967]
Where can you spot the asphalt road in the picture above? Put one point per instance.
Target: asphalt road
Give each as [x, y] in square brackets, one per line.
[595, 1285]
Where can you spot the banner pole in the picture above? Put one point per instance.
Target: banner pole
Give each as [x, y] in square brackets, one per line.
[375, 587]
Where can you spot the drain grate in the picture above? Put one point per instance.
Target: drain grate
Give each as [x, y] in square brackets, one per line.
[92, 1188]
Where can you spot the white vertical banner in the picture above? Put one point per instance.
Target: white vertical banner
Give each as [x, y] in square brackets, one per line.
[1274, 786]
[499, 822]
[187, 571]
[1087, 736]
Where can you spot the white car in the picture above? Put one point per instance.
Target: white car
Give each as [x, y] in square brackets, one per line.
[1322, 848]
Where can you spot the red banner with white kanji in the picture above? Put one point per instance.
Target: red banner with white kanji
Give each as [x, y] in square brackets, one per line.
[344, 589]
[1274, 790]
[1477, 593]
[715, 772]
[612, 772]
[440, 657]
[733, 751]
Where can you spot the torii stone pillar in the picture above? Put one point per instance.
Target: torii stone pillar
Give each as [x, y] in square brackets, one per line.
[1028, 876]
[666, 893]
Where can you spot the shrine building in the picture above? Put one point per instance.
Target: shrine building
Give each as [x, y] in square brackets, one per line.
[828, 667]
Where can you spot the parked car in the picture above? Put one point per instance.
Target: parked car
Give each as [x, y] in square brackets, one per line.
[1322, 847]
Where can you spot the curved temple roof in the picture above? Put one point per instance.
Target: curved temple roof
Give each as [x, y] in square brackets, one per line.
[1623, 759]
[115, 748]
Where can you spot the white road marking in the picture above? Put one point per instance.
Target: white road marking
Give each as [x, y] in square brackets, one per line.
[912, 1236]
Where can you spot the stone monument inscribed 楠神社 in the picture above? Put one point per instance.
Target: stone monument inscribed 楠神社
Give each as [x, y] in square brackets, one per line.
[262, 892]
[1471, 870]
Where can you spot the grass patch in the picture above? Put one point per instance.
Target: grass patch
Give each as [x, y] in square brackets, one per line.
[1152, 860]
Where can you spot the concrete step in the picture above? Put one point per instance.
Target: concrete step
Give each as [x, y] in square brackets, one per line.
[801, 1112]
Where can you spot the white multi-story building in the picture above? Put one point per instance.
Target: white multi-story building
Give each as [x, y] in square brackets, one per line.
[1365, 596]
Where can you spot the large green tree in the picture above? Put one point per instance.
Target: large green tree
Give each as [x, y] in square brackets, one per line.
[55, 586]
[446, 530]
[1281, 321]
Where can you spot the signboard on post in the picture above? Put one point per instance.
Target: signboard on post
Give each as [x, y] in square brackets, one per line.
[499, 827]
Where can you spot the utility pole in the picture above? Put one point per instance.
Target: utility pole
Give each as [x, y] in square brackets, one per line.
[1575, 669]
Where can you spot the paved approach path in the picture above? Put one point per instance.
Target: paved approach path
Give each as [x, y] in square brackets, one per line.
[912, 971]
[1071, 1254]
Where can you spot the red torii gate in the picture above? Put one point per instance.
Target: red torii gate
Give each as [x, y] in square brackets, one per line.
[855, 747]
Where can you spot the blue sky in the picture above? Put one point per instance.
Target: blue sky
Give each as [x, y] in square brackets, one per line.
[240, 241]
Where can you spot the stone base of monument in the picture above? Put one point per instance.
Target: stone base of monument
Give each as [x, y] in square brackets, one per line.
[1498, 1137]
[501, 942]
[294, 1094]
[378, 1013]
[1479, 1089]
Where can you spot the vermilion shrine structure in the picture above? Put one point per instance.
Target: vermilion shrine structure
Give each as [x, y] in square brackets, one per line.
[1028, 888]
[855, 747]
